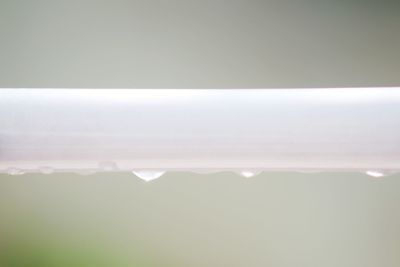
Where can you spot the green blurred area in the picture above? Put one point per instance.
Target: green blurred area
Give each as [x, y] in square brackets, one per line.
[33, 245]
[184, 219]
[64, 220]
[24, 252]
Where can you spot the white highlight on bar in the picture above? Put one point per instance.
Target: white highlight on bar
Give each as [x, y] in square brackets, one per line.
[202, 130]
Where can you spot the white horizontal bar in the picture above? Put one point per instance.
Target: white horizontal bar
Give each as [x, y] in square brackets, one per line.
[192, 129]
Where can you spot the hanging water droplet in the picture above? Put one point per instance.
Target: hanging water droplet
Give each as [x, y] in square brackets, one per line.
[108, 166]
[148, 175]
[376, 174]
[15, 171]
[46, 170]
[249, 174]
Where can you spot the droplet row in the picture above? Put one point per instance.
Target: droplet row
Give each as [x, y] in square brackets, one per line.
[152, 174]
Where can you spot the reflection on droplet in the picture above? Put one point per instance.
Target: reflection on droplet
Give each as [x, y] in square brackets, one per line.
[148, 175]
[15, 171]
[46, 170]
[376, 174]
[249, 174]
[108, 166]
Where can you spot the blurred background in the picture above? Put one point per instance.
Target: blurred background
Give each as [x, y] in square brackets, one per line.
[185, 219]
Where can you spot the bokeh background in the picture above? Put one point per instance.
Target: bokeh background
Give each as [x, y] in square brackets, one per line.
[199, 44]
[184, 219]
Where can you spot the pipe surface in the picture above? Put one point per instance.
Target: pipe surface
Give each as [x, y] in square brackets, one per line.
[200, 129]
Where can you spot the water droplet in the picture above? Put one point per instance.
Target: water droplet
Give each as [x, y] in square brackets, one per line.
[376, 174]
[46, 170]
[249, 174]
[15, 171]
[108, 166]
[148, 175]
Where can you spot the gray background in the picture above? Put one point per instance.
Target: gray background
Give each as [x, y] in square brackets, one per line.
[183, 219]
[199, 44]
